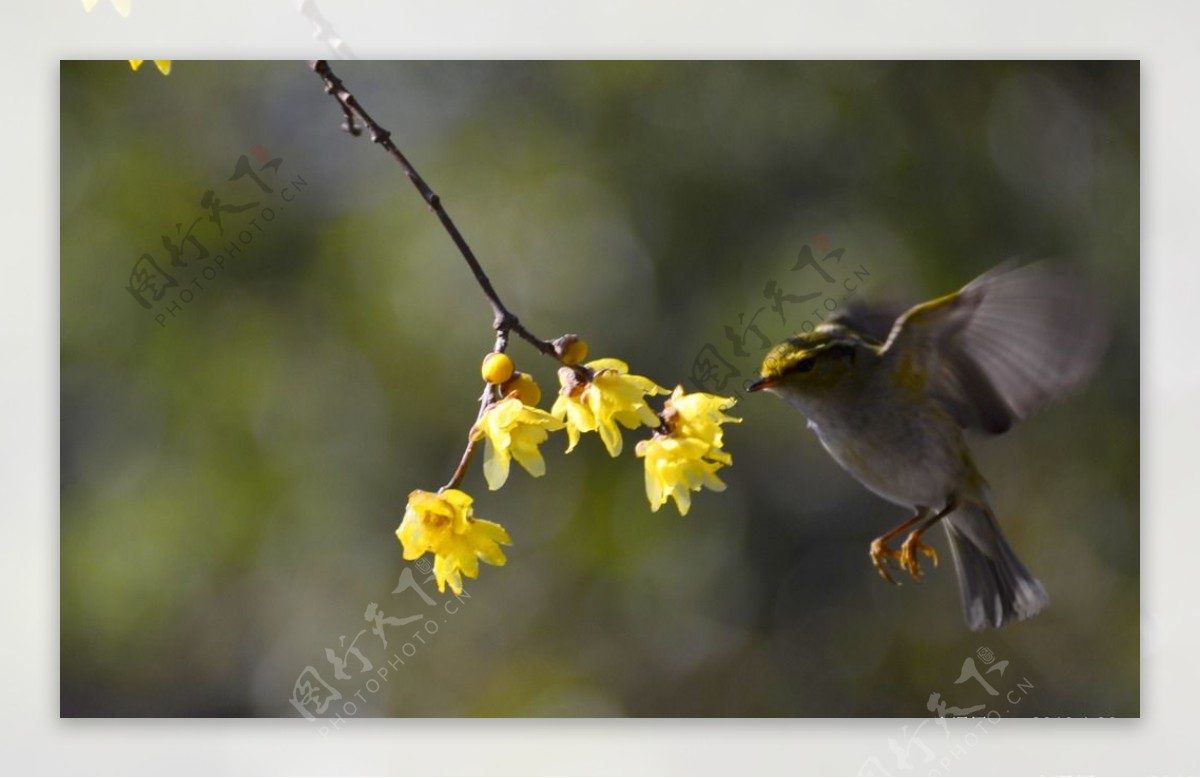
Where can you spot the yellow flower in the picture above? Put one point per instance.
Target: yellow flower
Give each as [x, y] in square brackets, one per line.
[699, 415]
[163, 65]
[688, 456]
[122, 6]
[612, 395]
[444, 524]
[513, 430]
[675, 467]
[523, 387]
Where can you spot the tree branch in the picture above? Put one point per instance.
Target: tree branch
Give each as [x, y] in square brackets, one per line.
[503, 320]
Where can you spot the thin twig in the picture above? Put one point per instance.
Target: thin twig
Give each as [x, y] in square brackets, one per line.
[503, 320]
[468, 454]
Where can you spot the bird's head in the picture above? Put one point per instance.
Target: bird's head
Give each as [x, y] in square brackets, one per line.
[811, 364]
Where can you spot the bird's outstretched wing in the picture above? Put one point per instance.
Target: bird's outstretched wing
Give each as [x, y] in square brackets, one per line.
[1004, 346]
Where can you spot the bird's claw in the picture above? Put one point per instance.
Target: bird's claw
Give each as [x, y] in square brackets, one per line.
[909, 559]
[880, 554]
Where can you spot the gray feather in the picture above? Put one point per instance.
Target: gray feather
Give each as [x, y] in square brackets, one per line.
[1008, 344]
[996, 586]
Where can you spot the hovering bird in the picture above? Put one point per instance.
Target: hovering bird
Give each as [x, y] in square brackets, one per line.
[890, 397]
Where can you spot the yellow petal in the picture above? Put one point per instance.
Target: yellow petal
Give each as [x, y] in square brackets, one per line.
[495, 466]
[411, 536]
[578, 419]
[611, 435]
[654, 485]
[136, 63]
[572, 438]
[457, 498]
[467, 561]
[163, 65]
[531, 459]
[122, 7]
[642, 415]
[608, 363]
[446, 571]
[683, 500]
[88, 5]
[494, 532]
[643, 384]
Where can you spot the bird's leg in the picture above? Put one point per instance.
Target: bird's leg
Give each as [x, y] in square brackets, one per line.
[909, 560]
[881, 551]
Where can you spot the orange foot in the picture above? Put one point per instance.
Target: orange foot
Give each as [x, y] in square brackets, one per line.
[909, 560]
[881, 553]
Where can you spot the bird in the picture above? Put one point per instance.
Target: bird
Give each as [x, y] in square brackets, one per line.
[890, 397]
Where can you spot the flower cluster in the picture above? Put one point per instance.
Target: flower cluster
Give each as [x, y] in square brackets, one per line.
[687, 454]
[682, 456]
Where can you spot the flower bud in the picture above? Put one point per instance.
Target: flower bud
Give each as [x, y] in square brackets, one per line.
[497, 368]
[571, 349]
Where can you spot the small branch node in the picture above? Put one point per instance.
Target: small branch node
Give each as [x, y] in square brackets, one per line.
[505, 322]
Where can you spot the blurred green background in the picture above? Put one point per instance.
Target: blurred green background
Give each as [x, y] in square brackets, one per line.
[232, 473]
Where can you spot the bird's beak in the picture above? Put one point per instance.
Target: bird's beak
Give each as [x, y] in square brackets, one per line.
[761, 383]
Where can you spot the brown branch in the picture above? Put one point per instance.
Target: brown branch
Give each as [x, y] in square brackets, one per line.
[503, 320]
[464, 464]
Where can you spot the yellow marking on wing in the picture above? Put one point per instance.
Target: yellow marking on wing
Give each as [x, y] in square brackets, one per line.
[909, 375]
[913, 325]
[920, 313]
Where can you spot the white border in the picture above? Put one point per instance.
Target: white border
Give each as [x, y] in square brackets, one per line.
[1163, 36]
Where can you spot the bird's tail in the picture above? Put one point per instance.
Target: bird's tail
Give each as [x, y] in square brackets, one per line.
[996, 587]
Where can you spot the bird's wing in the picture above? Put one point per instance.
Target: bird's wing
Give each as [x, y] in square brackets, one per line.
[1005, 345]
[874, 319]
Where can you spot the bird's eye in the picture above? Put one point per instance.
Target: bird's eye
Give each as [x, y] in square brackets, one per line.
[804, 365]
